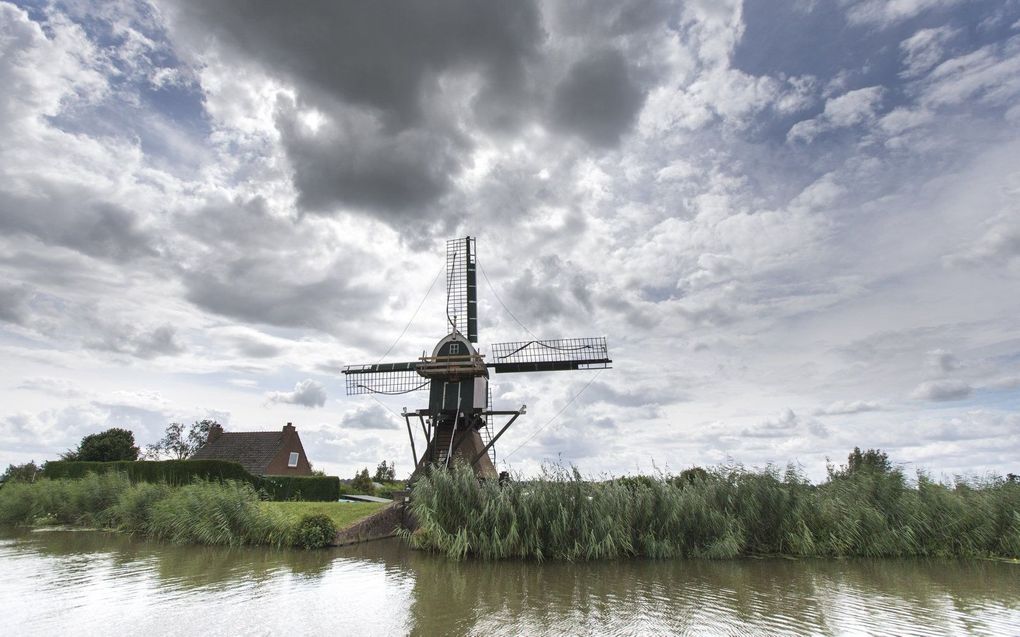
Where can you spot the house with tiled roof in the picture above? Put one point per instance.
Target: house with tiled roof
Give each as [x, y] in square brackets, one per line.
[261, 453]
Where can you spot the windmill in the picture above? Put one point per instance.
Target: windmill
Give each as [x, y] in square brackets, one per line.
[459, 421]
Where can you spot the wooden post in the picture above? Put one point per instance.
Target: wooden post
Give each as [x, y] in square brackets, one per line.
[414, 453]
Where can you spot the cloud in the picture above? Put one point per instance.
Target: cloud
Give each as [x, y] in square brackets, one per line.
[849, 109]
[307, 393]
[351, 161]
[925, 49]
[943, 361]
[842, 407]
[14, 303]
[989, 75]
[1008, 382]
[44, 68]
[885, 13]
[265, 289]
[61, 387]
[784, 425]
[390, 136]
[942, 390]
[998, 246]
[598, 99]
[75, 218]
[253, 343]
[123, 339]
[369, 417]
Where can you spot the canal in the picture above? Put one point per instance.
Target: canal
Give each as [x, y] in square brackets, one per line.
[96, 583]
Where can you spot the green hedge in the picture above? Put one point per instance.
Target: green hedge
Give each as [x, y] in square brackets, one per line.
[175, 472]
[304, 488]
[180, 472]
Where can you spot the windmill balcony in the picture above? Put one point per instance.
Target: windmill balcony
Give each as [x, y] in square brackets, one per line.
[452, 367]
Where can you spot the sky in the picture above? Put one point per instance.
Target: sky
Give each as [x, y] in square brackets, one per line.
[797, 224]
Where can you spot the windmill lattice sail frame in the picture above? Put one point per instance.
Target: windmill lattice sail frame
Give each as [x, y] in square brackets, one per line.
[550, 355]
[462, 287]
[369, 379]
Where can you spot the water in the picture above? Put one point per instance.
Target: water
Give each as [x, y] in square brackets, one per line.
[93, 583]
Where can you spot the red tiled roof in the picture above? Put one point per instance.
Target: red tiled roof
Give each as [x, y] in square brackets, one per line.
[253, 450]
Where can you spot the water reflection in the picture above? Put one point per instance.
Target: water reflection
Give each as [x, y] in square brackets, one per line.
[91, 581]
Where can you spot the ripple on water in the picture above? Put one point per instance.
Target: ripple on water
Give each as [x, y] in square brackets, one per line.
[85, 584]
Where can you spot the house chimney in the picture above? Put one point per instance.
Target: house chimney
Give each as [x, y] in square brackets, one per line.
[289, 429]
[215, 431]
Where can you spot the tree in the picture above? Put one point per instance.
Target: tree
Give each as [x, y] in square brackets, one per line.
[385, 472]
[112, 444]
[27, 472]
[873, 461]
[362, 483]
[176, 445]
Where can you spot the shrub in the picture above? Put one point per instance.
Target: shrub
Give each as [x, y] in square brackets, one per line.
[20, 473]
[315, 531]
[305, 488]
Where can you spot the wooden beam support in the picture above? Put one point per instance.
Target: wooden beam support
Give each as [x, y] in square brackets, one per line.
[496, 437]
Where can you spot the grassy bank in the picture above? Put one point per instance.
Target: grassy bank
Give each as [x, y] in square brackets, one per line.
[229, 513]
[343, 514]
[721, 513]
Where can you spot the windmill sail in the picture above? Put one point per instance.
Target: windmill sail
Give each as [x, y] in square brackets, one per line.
[550, 355]
[462, 287]
[384, 378]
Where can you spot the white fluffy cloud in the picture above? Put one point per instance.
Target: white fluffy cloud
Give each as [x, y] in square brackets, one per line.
[307, 393]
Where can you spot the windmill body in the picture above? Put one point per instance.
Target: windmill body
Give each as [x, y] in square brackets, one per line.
[459, 421]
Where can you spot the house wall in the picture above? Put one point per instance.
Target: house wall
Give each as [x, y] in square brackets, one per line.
[291, 442]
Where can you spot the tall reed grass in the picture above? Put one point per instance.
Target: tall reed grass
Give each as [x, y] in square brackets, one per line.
[722, 513]
[202, 512]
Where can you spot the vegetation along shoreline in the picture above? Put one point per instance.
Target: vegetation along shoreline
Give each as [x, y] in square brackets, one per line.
[866, 508]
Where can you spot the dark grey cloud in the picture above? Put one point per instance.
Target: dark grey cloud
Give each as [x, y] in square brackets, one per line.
[262, 290]
[369, 417]
[599, 98]
[382, 55]
[375, 72]
[124, 339]
[552, 289]
[75, 219]
[307, 393]
[643, 395]
[943, 361]
[253, 264]
[361, 166]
